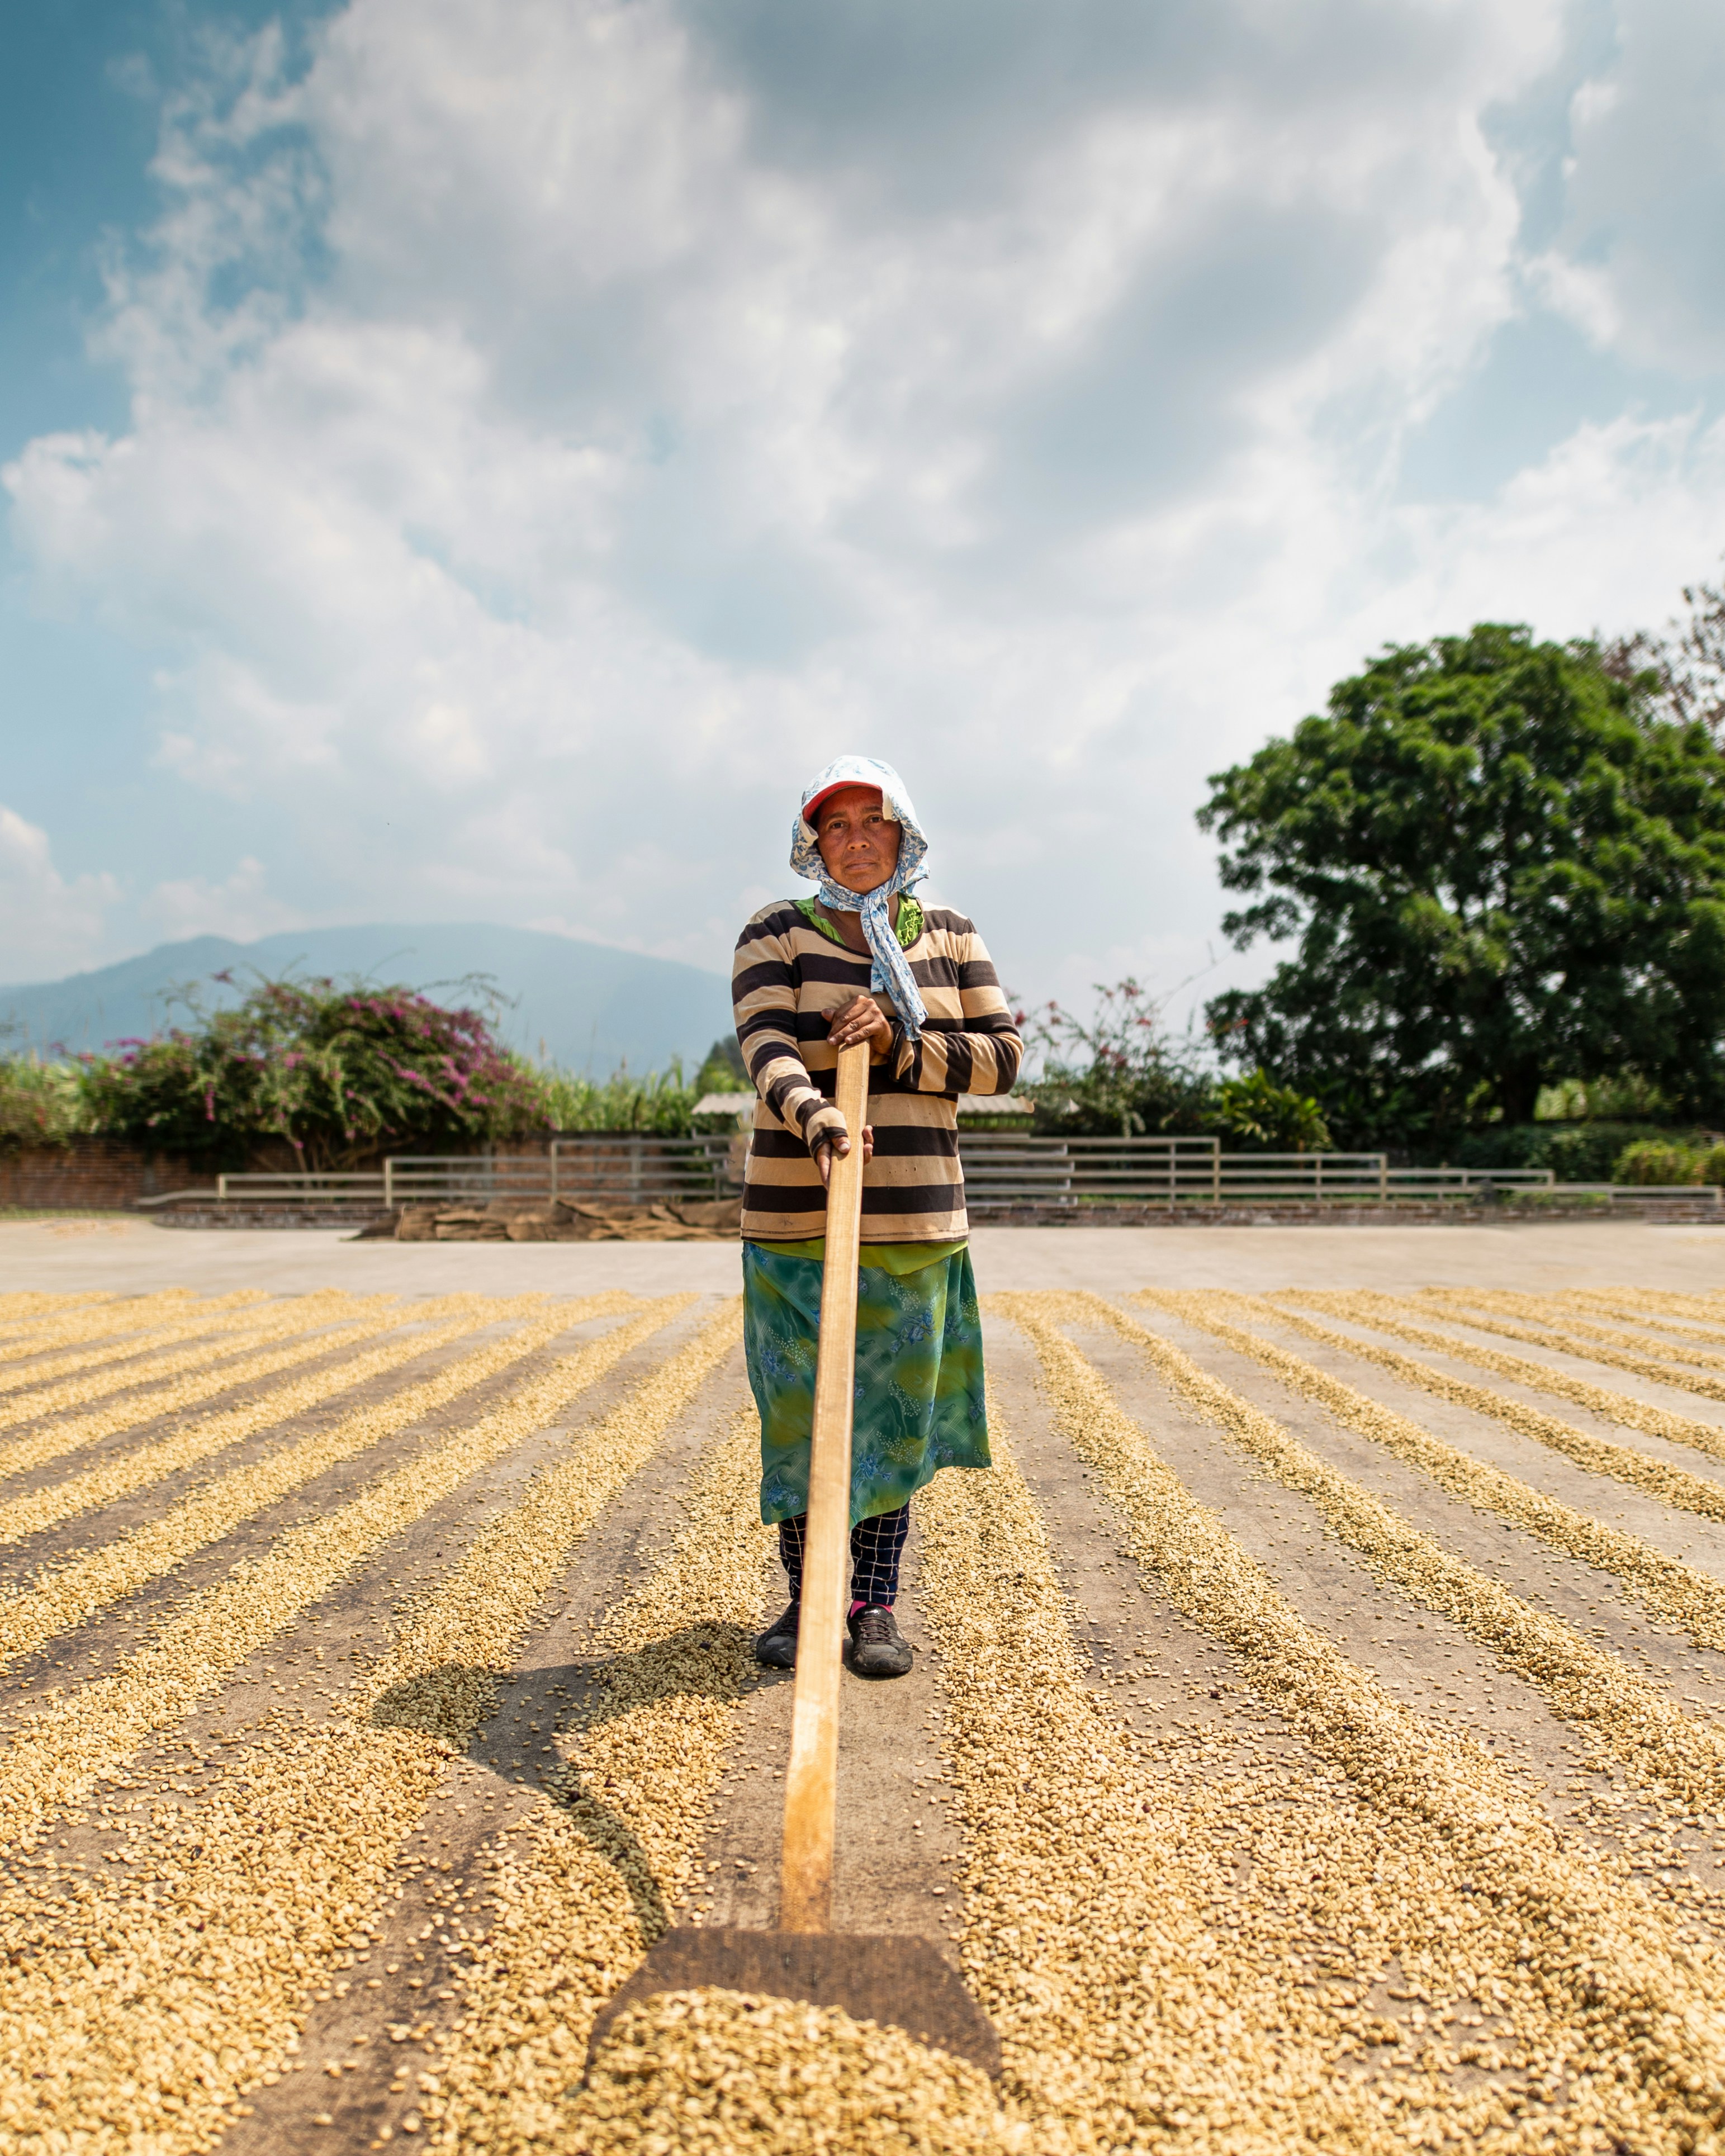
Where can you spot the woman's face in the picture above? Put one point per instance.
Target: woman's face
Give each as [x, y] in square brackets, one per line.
[857, 844]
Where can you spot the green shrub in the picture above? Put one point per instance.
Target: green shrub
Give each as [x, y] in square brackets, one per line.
[1656, 1161]
[1626, 1097]
[41, 1104]
[1712, 1164]
[1257, 1112]
[1554, 1201]
[1574, 1152]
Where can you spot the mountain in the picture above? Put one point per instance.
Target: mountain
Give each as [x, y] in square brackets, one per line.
[593, 1006]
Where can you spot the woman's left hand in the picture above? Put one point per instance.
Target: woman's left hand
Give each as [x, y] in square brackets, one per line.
[862, 1018]
[839, 1145]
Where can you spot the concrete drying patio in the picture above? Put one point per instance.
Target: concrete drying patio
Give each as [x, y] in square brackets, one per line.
[128, 1257]
[1316, 1737]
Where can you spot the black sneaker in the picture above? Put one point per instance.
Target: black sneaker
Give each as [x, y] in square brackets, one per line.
[878, 1649]
[776, 1647]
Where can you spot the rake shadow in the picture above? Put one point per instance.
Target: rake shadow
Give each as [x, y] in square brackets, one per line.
[712, 1661]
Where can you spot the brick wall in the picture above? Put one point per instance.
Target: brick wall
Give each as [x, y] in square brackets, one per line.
[92, 1171]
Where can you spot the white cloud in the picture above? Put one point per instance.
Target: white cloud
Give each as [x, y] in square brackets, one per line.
[54, 924]
[558, 428]
[240, 907]
[1582, 292]
[1637, 261]
[1599, 529]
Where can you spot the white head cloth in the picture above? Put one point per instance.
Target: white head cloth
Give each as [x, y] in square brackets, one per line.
[891, 970]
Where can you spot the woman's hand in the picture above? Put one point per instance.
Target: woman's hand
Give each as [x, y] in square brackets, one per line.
[862, 1018]
[839, 1144]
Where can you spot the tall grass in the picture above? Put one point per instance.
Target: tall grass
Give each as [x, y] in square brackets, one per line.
[660, 1102]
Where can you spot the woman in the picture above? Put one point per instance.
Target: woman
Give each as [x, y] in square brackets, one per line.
[864, 962]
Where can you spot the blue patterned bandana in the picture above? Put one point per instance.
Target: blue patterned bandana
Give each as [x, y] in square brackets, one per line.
[892, 969]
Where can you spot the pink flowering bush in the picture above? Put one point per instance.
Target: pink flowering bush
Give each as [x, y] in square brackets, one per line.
[1121, 1075]
[337, 1075]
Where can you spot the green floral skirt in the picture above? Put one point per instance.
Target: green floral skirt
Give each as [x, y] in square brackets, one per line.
[920, 1403]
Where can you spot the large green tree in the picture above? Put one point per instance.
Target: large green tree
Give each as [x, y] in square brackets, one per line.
[1501, 867]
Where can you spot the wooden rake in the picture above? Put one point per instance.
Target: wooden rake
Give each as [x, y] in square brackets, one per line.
[904, 1981]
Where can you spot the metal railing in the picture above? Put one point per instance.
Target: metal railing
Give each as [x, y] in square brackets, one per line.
[634, 1171]
[1654, 1196]
[1001, 1169]
[1006, 1170]
[301, 1187]
[626, 1168]
[1008, 1167]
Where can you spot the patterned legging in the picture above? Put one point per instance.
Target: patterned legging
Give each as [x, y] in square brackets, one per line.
[875, 1547]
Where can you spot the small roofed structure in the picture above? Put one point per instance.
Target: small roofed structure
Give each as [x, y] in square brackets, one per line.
[738, 1108]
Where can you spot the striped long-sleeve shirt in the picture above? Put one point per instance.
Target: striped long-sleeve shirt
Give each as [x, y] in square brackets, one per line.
[790, 975]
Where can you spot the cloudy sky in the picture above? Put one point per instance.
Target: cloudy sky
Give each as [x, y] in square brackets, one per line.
[472, 460]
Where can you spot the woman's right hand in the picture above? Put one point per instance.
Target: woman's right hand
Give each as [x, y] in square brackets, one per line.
[861, 1018]
[838, 1145]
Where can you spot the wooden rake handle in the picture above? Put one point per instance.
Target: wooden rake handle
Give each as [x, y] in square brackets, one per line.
[805, 1890]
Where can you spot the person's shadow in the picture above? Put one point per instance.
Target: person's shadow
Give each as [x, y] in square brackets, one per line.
[713, 1661]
